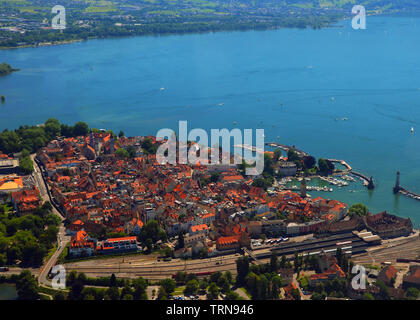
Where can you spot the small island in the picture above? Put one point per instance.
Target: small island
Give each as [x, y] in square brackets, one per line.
[6, 69]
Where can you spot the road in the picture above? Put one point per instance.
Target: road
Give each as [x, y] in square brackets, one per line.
[62, 239]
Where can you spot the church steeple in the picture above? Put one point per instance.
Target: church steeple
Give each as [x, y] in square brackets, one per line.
[91, 139]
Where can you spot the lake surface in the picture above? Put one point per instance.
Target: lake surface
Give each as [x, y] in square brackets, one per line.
[298, 85]
[8, 292]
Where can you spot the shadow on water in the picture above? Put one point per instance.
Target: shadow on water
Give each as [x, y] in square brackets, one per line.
[396, 202]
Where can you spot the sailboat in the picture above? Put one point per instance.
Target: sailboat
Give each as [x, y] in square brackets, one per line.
[412, 130]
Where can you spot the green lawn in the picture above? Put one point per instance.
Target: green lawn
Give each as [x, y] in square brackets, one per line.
[179, 291]
[246, 292]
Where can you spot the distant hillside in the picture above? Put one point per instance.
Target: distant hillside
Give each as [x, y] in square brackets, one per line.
[28, 22]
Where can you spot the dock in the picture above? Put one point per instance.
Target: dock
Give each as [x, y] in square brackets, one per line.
[408, 193]
[342, 162]
[247, 147]
[287, 148]
[404, 191]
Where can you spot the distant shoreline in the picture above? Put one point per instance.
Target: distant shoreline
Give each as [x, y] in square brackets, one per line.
[330, 25]
[43, 44]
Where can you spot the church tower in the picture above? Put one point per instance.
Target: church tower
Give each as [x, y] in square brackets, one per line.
[303, 188]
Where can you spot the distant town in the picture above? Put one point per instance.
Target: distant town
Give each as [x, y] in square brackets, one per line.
[125, 227]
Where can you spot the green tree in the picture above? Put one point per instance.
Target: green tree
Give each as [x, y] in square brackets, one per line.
[191, 288]
[223, 283]
[162, 294]
[359, 210]
[203, 284]
[140, 286]
[383, 290]
[273, 262]
[52, 128]
[148, 146]
[59, 296]
[325, 167]
[80, 129]
[215, 276]
[151, 230]
[113, 293]
[122, 153]
[368, 296]
[181, 242]
[76, 289]
[232, 295]
[113, 281]
[181, 277]
[169, 285]
[296, 294]
[89, 297]
[412, 293]
[213, 291]
[292, 155]
[10, 142]
[25, 163]
[27, 286]
[277, 153]
[309, 162]
[242, 268]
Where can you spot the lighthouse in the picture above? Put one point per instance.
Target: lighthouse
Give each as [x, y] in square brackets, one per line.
[397, 187]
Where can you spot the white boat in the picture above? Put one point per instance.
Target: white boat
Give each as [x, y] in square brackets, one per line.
[412, 130]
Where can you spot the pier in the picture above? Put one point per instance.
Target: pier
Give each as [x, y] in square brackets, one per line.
[409, 193]
[287, 148]
[368, 181]
[342, 162]
[247, 147]
[403, 191]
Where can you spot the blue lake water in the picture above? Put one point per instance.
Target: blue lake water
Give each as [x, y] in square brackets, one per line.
[282, 81]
